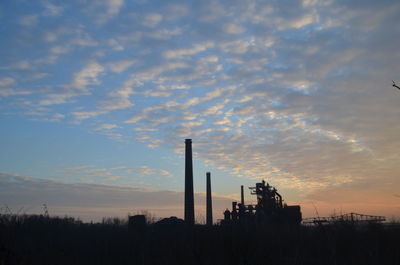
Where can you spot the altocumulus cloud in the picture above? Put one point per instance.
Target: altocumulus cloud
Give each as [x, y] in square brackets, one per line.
[294, 91]
[94, 201]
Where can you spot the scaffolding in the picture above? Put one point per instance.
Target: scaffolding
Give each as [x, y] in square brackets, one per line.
[348, 218]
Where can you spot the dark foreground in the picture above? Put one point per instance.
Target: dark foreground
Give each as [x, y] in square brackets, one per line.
[42, 240]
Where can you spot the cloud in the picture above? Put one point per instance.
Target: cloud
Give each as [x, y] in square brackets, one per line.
[356, 197]
[78, 87]
[6, 81]
[84, 115]
[39, 75]
[7, 92]
[107, 126]
[103, 175]
[176, 11]
[28, 20]
[67, 39]
[53, 10]
[299, 93]
[237, 46]
[116, 100]
[115, 45]
[152, 20]
[54, 117]
[59, 49]
[216, 93]
[165, 33]
[184, 52]
[146, 170]
[93, 201]
[302, 21]
[231, 28]
[54, 99]
[84, 40]
[162, 108]
[21, 65]
[216, 109]
[225, 121]
[87, 76]
[155, 72]
[112, 8]
[119, 99]
[121, 66]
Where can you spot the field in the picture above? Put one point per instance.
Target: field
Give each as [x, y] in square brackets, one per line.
[34, 239]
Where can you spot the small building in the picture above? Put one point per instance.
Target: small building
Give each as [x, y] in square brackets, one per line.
[137, 221]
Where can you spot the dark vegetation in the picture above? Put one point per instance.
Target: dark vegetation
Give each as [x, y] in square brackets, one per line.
[37, 239]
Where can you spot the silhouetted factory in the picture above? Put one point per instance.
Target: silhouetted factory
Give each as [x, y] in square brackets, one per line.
[269, 208]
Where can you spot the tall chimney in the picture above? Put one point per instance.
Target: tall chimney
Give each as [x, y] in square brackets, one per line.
[209, 201]
[189, 200]
[241, 195]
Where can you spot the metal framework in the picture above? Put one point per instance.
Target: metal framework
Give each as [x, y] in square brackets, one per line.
[269, 208]
[345, 218]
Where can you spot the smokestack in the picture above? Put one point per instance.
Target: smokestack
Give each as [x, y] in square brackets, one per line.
[209, 217]
[241, 195]
[189, 200]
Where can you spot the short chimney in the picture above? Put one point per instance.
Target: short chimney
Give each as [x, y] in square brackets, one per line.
[241, 196]
[209, 218]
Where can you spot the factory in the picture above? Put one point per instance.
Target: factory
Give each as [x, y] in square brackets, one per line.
[269, 208]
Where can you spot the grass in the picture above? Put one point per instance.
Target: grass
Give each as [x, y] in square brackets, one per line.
[35, 239]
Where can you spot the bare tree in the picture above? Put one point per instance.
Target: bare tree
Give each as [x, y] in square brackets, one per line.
[394, 85]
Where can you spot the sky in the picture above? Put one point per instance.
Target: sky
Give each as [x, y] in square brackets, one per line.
[98, 97]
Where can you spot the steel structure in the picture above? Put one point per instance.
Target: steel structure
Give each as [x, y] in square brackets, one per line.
[269, 208]
[345, 218]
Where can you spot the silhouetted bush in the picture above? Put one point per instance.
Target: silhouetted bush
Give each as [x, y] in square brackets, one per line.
[37, 239]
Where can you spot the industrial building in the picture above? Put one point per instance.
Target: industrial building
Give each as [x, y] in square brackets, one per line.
[269, 208]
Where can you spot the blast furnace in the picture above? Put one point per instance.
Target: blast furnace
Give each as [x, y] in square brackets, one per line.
[269, 208]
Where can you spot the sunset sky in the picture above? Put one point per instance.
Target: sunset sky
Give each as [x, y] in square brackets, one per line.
[98, 97]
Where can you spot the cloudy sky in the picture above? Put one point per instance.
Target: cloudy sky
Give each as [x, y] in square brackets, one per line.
[97, 97]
